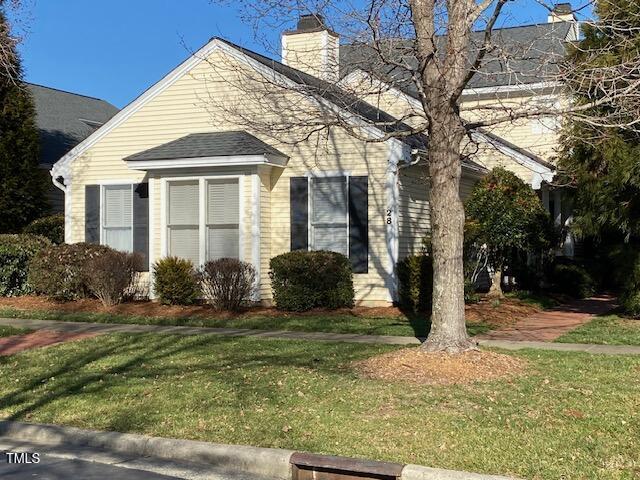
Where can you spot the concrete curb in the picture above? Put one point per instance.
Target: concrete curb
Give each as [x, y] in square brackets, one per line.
[418, 472]
[268, 463]
[263, 462]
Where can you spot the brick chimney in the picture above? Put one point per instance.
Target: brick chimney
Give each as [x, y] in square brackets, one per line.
[563, 12]
[312, 48]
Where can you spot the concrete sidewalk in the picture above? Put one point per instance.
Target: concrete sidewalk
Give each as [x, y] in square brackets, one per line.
[101, 328]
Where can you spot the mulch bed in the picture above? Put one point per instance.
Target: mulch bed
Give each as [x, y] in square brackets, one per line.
[414, 365]
[507, 312]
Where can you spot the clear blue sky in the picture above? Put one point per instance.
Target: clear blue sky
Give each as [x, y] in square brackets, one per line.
[115, 49]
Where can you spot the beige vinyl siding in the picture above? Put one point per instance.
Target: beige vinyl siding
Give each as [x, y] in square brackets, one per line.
[414, 221]
[414, 217]
[531, 134]
[528, 134]
[194, 103]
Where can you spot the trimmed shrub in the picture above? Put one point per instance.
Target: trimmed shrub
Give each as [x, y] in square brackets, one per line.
[60, 271]
[51, 227]
[304, 280]
[227, 283]
[16, 252]
[175, 281]
[573, 280]
[415, 282]
[113, 276]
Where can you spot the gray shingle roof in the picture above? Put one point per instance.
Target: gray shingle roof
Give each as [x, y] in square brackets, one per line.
[342, 99]
[533, 52]
[64, 119]
[211, 144]
[335, 95]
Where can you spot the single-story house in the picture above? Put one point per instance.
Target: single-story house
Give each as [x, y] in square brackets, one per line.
[64, 119]
[173, 174]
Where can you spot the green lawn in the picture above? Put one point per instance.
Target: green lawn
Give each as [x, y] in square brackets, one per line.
[572, 416]
[606, 330]
[6, 331]
[414, 325]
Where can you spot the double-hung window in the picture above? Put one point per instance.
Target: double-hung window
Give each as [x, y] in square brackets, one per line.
[203, 219]
[183, 220]
[117, 217]
[223, 218]
[329, 214]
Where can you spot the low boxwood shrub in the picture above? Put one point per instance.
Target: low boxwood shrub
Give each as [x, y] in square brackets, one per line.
[303, 280]
[415, 282]
[60, 271]
[175, 281]
[16, 252]
[51, 227]
[227, 282]
[573, 280]
[113, 276]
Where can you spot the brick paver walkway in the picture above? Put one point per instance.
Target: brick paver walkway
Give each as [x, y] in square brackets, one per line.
[41, 338]
[548, 325]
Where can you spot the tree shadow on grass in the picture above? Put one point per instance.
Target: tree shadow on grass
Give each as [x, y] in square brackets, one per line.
[127, 358]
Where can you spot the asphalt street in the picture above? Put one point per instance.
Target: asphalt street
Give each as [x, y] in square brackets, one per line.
[55, 468]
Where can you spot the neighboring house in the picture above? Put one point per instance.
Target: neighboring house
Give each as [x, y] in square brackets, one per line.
[514, 75]
[64, 120]
[171, 174]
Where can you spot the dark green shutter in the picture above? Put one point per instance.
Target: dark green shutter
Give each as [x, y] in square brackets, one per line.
[359, 224]
[299, 205]
[92, 213]
[141, 221]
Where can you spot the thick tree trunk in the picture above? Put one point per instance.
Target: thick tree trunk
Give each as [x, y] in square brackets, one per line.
[448, 329]
[496, 284]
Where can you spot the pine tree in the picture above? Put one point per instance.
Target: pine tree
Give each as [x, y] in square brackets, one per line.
[602, 162]
[22, 183]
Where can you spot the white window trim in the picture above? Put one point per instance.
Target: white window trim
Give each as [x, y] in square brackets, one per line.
[310, 177]
[202, 182]
[113, 183]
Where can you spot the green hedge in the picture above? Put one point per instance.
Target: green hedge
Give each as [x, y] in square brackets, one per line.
[60, 271]
[51, 227]
[415, 282]
[16, 252]
[304, 280]
[175, 281]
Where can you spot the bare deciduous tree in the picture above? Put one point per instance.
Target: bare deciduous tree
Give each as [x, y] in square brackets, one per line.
[434, 50]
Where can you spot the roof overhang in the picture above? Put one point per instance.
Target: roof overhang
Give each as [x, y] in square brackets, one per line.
[219, 161]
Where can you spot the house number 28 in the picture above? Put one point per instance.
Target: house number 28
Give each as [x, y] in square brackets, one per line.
[388, 218]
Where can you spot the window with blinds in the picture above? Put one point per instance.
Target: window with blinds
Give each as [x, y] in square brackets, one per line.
[329, 209]
[117, 217]
[223, 218]
[183, 221]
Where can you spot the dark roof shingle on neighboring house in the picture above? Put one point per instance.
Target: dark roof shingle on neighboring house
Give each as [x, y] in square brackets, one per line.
[523, 55]
[210, 144]
[65, 119]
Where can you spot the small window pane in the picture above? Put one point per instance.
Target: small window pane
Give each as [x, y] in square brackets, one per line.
[329, 200]
[184, 203]
[330, 238]
[223, 243]
[117, 206]
[184, 242]
[223, 201]
[118, 238]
